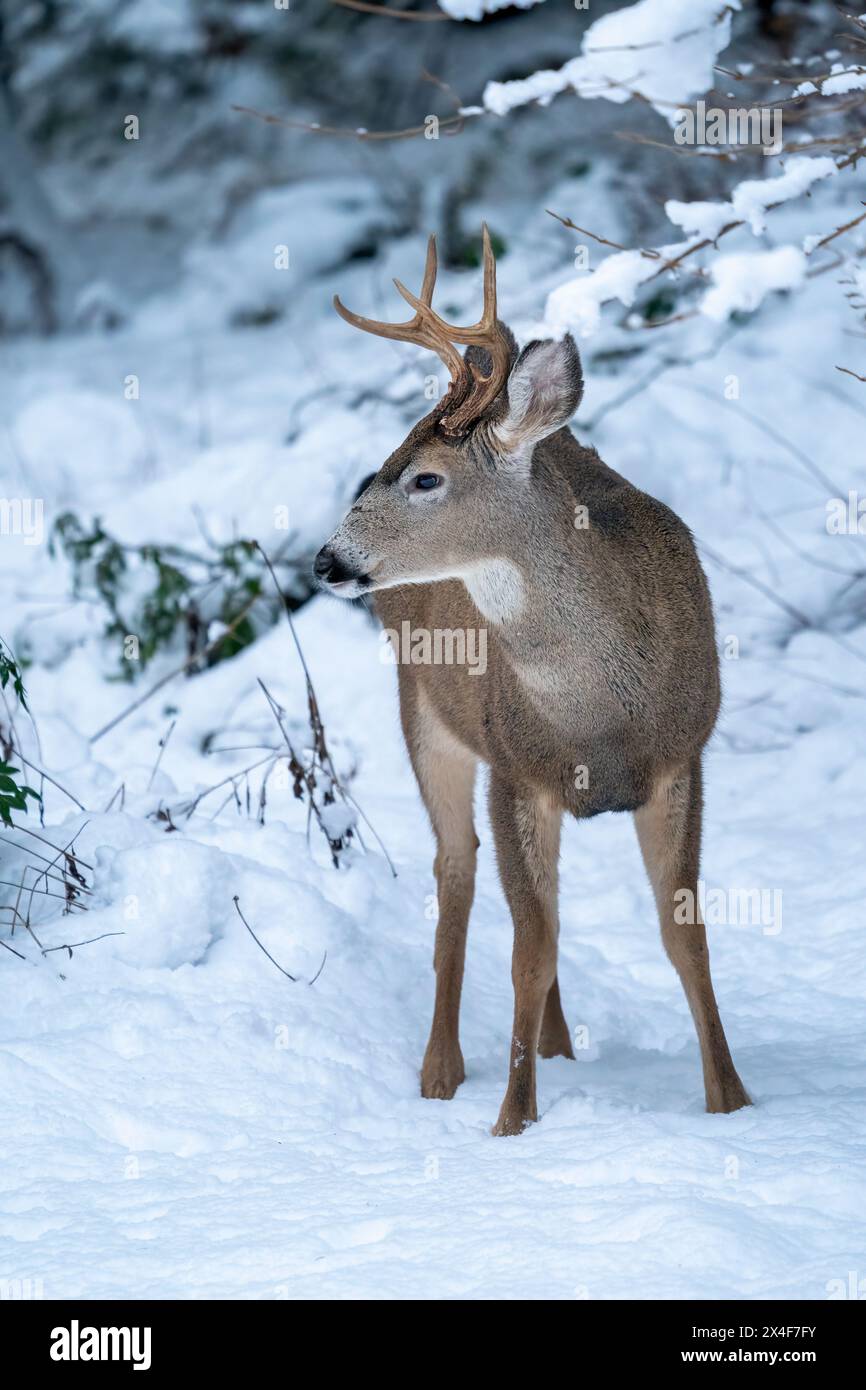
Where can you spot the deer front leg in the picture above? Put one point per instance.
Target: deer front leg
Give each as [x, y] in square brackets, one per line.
[442, 1070]
[446, 777]
[526, 829]
[669, 832]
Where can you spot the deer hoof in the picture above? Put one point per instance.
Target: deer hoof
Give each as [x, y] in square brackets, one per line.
[727, 1096]
[441, 1075]
[512, 1122]
[555, 1045]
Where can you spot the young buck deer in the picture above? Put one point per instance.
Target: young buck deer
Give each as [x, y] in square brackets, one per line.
[601, 684]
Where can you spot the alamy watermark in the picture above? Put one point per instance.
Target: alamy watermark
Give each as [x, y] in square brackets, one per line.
[735, 125]
[23, 516]
[846, 517]
[730, 907]
[421, 646]
[77, 1343]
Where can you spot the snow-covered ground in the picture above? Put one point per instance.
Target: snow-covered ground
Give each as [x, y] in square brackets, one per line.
[181, 1120]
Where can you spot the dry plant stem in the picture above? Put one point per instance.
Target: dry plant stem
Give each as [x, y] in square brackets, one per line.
[676, 261]
[237, 904]
[55, 878]
[42, 892]
[35, 852]
[839, 230]
[186, 808]
[163, 743]
[320, 746]
[301, 773]
[178, 671]
[42, 773]
[602, 241]
[73, 946]
[77, 857]
[799, 618]
[420, 16]
[347, 132]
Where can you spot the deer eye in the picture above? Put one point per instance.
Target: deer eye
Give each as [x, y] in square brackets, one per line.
[425, 482]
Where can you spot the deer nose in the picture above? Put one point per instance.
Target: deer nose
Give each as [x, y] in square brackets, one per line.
[330, 568]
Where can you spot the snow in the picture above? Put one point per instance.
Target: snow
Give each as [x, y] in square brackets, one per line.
[741, 282]
[700, 220]
[260, 263]
[477, 9]
[577, 304]
[840, 81]
[68, 438]
[180, 1118]
[751, 199]
[187, 1122]
[664, 49]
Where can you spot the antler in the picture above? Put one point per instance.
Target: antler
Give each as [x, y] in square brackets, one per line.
[470, 391]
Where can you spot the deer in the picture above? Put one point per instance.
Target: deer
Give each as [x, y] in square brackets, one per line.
[601, 686]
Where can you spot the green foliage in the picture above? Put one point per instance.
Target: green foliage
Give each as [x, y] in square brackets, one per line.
[660, 306]
[13, 795]
[9, 671]
[166, 595]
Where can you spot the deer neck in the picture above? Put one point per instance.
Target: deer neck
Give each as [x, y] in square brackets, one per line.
[518, 588]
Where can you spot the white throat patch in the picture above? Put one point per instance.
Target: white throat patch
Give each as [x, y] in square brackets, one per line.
[496, 589]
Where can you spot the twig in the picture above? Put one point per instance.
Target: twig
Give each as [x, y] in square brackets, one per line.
[320, 744]
[237, 904]
[603, 241]
[163, 742]
[303, 775]
[839, 230]
[320, 969]
[46, 951]
[26, 831]
[43, 892]
[186, 808]
[800, 618]
[42, 773]
[420, 16]
[359, 133]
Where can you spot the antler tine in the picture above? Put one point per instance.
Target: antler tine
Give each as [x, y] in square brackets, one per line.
[488, 318]
[428, 330]
[478, 333]
[402, 332]
[430, 269]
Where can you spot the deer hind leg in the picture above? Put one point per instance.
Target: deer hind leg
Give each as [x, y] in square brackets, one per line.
[446, 775]
[526, 829]
[554, 1039]
[669, 832]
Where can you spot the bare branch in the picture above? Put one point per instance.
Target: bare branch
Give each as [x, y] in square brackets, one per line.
[420, 16]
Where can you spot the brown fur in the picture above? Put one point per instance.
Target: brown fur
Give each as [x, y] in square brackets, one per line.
[600, 656]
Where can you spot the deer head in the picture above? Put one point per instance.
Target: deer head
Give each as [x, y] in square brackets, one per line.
[437, 507]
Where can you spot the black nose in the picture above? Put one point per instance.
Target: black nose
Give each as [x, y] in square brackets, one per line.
[330, 567]
[322, 563]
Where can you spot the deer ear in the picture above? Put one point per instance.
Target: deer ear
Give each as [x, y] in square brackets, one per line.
[544, 391]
